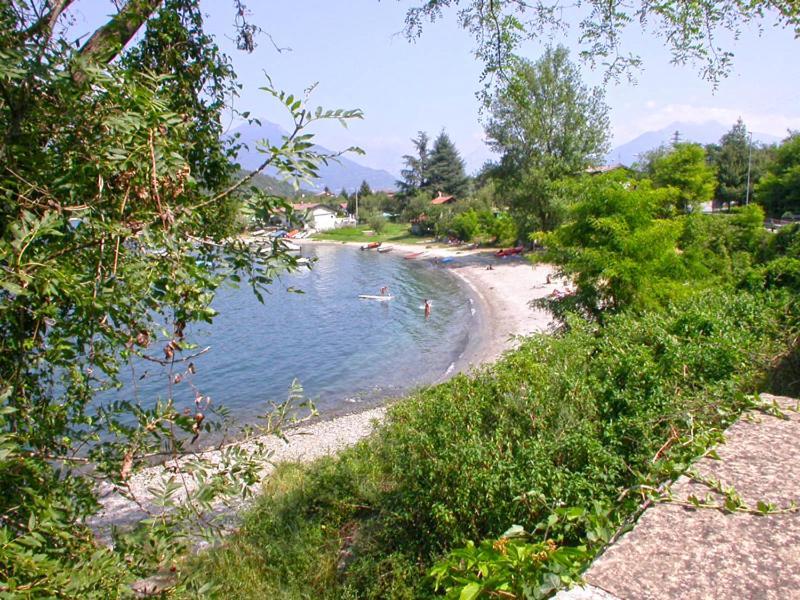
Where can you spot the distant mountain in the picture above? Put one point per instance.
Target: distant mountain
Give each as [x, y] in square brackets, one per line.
[346, 174]
[709, 132]
[273, 185]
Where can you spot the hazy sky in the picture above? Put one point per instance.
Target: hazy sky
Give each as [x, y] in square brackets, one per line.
[356, 53]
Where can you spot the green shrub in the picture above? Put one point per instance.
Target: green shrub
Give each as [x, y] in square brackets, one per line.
[376, 222]
[569, 420]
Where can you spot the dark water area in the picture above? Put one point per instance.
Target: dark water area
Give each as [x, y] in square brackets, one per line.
[346, 352]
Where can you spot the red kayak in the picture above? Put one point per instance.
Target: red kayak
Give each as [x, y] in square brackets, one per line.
[413, 255]
[509, 251]
[370, 246]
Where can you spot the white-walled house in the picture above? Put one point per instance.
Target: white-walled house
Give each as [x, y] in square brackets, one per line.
[321, 218]
[310, 215]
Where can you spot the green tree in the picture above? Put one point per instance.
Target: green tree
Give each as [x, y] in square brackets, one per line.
[546, 124]
[779, 190]
[732, 160]
[376, 222]
[645, 161]
[445, 169]
[113, 186]
[686, 171]
[364, 189]
[415, 175]
[174, 38]
[614, 246]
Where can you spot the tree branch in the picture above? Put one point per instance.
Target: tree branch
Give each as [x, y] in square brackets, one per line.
[107, 42]
[46, 23]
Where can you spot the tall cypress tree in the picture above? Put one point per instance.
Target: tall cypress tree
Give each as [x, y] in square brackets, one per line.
[732, 160]
[446, 169]
[364, 190]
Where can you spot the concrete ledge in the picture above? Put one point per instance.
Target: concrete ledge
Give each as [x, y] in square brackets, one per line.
[675, 552]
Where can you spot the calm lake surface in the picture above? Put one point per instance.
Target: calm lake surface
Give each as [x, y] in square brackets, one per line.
[346, 352]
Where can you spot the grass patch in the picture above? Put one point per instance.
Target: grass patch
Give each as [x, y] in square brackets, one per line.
[399, 233]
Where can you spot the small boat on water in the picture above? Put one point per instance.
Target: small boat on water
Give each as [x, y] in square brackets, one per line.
[413, 255]
[375, 297]
[383, 249]
[509, 251]
[371, 245]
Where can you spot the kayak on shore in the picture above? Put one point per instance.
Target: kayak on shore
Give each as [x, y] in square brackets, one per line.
[371, 245]
[509, 251]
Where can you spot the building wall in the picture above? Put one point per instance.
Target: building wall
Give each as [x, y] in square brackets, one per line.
[323, 220]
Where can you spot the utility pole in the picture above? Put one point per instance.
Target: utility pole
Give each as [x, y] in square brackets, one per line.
[356, 207]
[749, 162]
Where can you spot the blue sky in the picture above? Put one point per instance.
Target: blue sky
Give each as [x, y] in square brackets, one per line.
[356, 53]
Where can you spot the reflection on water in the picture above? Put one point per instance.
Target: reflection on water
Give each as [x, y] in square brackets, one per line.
[343, 349]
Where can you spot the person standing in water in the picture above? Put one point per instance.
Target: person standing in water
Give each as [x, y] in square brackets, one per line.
[385, 290]
[427, 308]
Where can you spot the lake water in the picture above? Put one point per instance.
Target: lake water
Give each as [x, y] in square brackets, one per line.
[346, 352]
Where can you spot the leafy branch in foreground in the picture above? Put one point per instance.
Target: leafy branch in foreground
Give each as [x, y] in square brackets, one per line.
[118, 223]
[690, 30]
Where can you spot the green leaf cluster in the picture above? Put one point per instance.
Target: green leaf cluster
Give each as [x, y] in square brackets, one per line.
[779, 189]
[118, 216]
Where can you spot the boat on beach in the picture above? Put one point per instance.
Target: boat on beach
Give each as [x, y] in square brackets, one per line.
[384, 249]
[413, 255]
[509, 251]
[371, 245]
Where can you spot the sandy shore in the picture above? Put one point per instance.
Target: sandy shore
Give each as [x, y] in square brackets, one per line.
[502, 293]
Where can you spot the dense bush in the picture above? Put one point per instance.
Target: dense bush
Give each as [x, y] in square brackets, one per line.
[567, 420]
[376, 222]
[483, 226]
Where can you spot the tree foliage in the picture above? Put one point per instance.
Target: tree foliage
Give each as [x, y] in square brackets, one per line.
[114, 186]
[546, 124]
[692, 31]
[732, 160]
[415, 174]
[614, 248]
[364, 190]
[545, 117]
[433, 168]
[684, 170]
[445, 169]
[779, 189]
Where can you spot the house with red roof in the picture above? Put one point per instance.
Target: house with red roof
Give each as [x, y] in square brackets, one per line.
[442, 199]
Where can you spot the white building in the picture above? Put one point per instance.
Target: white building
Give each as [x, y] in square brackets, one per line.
[321, 218]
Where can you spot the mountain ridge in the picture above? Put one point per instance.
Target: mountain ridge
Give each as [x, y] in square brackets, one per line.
[344, 173]
[708, 132]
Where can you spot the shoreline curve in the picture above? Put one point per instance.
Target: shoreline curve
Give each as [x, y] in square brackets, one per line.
[502, 290]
